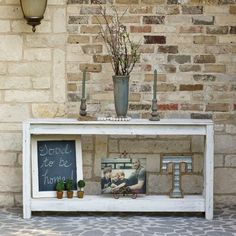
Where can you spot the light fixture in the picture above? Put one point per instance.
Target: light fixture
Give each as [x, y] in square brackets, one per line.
[33, 11]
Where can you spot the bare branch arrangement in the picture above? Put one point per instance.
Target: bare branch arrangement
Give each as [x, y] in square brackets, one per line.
[122, 50]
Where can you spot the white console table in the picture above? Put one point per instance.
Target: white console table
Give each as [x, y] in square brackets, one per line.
[149, 203]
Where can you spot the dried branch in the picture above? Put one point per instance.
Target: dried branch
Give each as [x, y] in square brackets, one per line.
[123, 51]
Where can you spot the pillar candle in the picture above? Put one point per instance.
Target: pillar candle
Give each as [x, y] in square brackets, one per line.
[155, 85]
[83, 85]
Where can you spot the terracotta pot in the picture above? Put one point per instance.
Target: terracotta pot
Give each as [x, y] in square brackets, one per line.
[80, 194]
[69, 194]
[59, 194]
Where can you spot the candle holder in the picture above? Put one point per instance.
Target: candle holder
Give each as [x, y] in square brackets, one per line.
[83, 107]
[154, 114]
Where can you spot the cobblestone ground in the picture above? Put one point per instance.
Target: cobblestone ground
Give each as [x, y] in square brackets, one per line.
[41, 224]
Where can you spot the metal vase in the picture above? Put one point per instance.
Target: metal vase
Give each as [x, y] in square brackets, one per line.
[121, 94]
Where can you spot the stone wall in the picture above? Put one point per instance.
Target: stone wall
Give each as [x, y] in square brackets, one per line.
[191, 43]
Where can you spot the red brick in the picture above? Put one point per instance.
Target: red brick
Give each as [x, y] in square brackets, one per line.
[154, 39]
[232, 9]
[140, 29]
[235, 107]
[170, 106]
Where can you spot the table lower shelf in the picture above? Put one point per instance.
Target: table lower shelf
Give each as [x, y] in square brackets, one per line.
[104, 203]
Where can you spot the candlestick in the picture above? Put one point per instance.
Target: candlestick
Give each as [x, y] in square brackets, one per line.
[155, 85]
[83, 85]
[154, 114]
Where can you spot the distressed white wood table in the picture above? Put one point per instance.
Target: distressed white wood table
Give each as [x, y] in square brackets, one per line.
[150, 203]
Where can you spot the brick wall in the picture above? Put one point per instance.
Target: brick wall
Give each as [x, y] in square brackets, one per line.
[192, 44]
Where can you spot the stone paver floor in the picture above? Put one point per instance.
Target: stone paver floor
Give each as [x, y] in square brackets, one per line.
[92, 224]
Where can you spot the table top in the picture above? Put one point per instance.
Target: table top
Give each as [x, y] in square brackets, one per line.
[63, 121]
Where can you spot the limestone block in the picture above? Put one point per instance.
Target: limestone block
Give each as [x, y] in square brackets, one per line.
[34, 69]
[225, 144]
[11, 179]
[37, 54]
[87, 143]
[4, 26]
[48, 110]
[11, 142]
[219, 127]
[218, 160]
[225, 20]
[216, 9]
[227, 39]
[92, 188]
[45, 40]
[197, 163]
[10, 47]
[225, 181]
[230, 160]
[177, 39]
[225, 199]
[160, 184]
[87, 158]
[10, 126]
[197, 144]
[231, 129]
[3, 68]
[152, 161]
[87, 172]
[57, 2]
[20, 26]
[19, 159]
[6, 200]
[157, 146]
[113, 145]
[41, 82]
[11, 12]
[178, 19]
[59, 84]
[59, 20]
[27, 96]
[14, 82]
[14, 112]
[8, 158]
[192, 184]
[100, 152]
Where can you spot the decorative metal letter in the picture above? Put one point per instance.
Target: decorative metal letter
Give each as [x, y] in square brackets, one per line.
[176, 191]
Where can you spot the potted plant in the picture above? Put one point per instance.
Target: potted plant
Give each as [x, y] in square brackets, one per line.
[80, 192]
[69, 188]
[123, 52]
[60, 187]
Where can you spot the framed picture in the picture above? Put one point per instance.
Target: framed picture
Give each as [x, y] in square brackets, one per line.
[55, 158]
[123, 172]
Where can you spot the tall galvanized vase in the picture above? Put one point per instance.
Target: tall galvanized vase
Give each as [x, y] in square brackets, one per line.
[121, 94]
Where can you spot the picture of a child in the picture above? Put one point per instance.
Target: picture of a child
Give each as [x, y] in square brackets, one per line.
[106, 179]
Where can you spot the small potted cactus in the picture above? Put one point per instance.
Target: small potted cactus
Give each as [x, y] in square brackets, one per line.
[69, 188]
[80, 192]
[60, 187]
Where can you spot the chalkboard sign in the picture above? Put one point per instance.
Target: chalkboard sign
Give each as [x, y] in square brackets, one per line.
[55, 160]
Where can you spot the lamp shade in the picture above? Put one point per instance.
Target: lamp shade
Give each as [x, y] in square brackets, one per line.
[33, 11]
